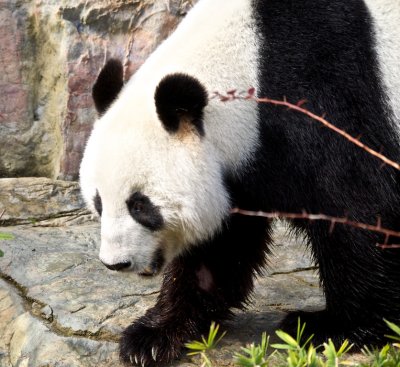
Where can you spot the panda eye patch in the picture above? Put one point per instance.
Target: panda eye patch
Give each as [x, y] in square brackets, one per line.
[144, 211]
[97, 203]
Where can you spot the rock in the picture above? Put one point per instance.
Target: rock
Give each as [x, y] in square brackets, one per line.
[51, 52]
[40, 201]
[47, 313]
[59, 306]
[11, 307]
[33, 344]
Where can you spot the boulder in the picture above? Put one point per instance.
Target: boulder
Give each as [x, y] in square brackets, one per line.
[59, 306]
[41, 201]
[51, 52]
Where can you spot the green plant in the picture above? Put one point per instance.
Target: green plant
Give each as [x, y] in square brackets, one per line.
[205, 345]
[332, 355]
[254, 355]
[5, 236]
[298, 353]
[389, 355]
[294, 352]
[396, 329]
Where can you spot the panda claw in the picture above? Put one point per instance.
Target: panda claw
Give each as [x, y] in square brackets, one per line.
[154, 353]
[142, 362]
[136, 360]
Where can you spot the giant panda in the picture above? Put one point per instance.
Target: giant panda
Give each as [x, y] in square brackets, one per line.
[166, 162]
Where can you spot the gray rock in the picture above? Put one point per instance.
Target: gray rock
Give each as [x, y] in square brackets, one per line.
[34, 344]
[11, 307]
[59, 306]
[40, 201]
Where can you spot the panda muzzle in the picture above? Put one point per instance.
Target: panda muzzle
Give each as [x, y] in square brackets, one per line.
[155, 266]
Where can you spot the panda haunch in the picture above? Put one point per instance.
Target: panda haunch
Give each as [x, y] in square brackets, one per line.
[165, 163]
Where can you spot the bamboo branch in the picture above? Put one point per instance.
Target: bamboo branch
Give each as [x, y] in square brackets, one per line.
[250, 95]
[233, 95]
[377, 228]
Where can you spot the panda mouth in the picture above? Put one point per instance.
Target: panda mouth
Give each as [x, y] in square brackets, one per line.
[155, 266]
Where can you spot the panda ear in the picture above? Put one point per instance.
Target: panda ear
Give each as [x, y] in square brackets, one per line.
[180, 99]
[108, 85]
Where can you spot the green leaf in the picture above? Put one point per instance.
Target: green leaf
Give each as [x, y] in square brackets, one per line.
[344, 348]
[1, 253]
[300, 330]
[206, 360]
[395, 328]
[195, 345]
[283, 346]
[330, 354]
[201, 347]
[254, 355]
[212, 335]
[312, 360]
[287, 338]
[6, 236]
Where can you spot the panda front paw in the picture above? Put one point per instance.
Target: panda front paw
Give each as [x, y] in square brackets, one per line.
[147, 346]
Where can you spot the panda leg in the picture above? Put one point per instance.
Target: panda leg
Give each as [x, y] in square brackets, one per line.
[199, 287]
[361, 284]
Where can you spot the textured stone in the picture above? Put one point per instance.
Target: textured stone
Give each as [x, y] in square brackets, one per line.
[59, 306]
[34, 344]
[50, 54]
[40, 201]
[62, 307]
[10, 308]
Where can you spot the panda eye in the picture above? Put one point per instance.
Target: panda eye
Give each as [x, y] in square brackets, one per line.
[143, 211]
[137, 206]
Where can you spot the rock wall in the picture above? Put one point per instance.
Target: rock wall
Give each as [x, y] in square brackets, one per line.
[50, 54]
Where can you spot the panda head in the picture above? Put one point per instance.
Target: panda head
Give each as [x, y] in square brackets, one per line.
[149, 170]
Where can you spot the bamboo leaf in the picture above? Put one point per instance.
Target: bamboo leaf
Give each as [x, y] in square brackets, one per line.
[6, 236]
[287, 338]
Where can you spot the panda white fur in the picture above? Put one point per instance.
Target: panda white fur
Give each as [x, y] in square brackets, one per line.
[165, 163]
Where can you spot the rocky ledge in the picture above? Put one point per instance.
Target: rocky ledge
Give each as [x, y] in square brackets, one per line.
[59, 306]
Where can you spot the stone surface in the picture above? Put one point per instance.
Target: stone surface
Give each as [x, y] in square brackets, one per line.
[50, 54]
[27, 341]
[59, 306]
[40, 201]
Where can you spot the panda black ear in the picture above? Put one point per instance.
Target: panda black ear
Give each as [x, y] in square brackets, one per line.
[108, 85]
[180, 99]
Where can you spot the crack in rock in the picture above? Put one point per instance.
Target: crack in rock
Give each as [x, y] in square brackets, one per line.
[294, 271]
[140, 294]
[37, 309]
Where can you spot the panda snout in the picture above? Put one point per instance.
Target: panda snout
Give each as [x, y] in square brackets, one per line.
[118, 266]
[147, 268]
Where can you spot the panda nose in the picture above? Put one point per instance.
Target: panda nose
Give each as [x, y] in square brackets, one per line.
[118, 266]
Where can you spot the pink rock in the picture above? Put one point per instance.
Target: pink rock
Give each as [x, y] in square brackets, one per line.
[50, 55]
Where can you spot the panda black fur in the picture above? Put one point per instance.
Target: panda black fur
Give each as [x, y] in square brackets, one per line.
[165, 163]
